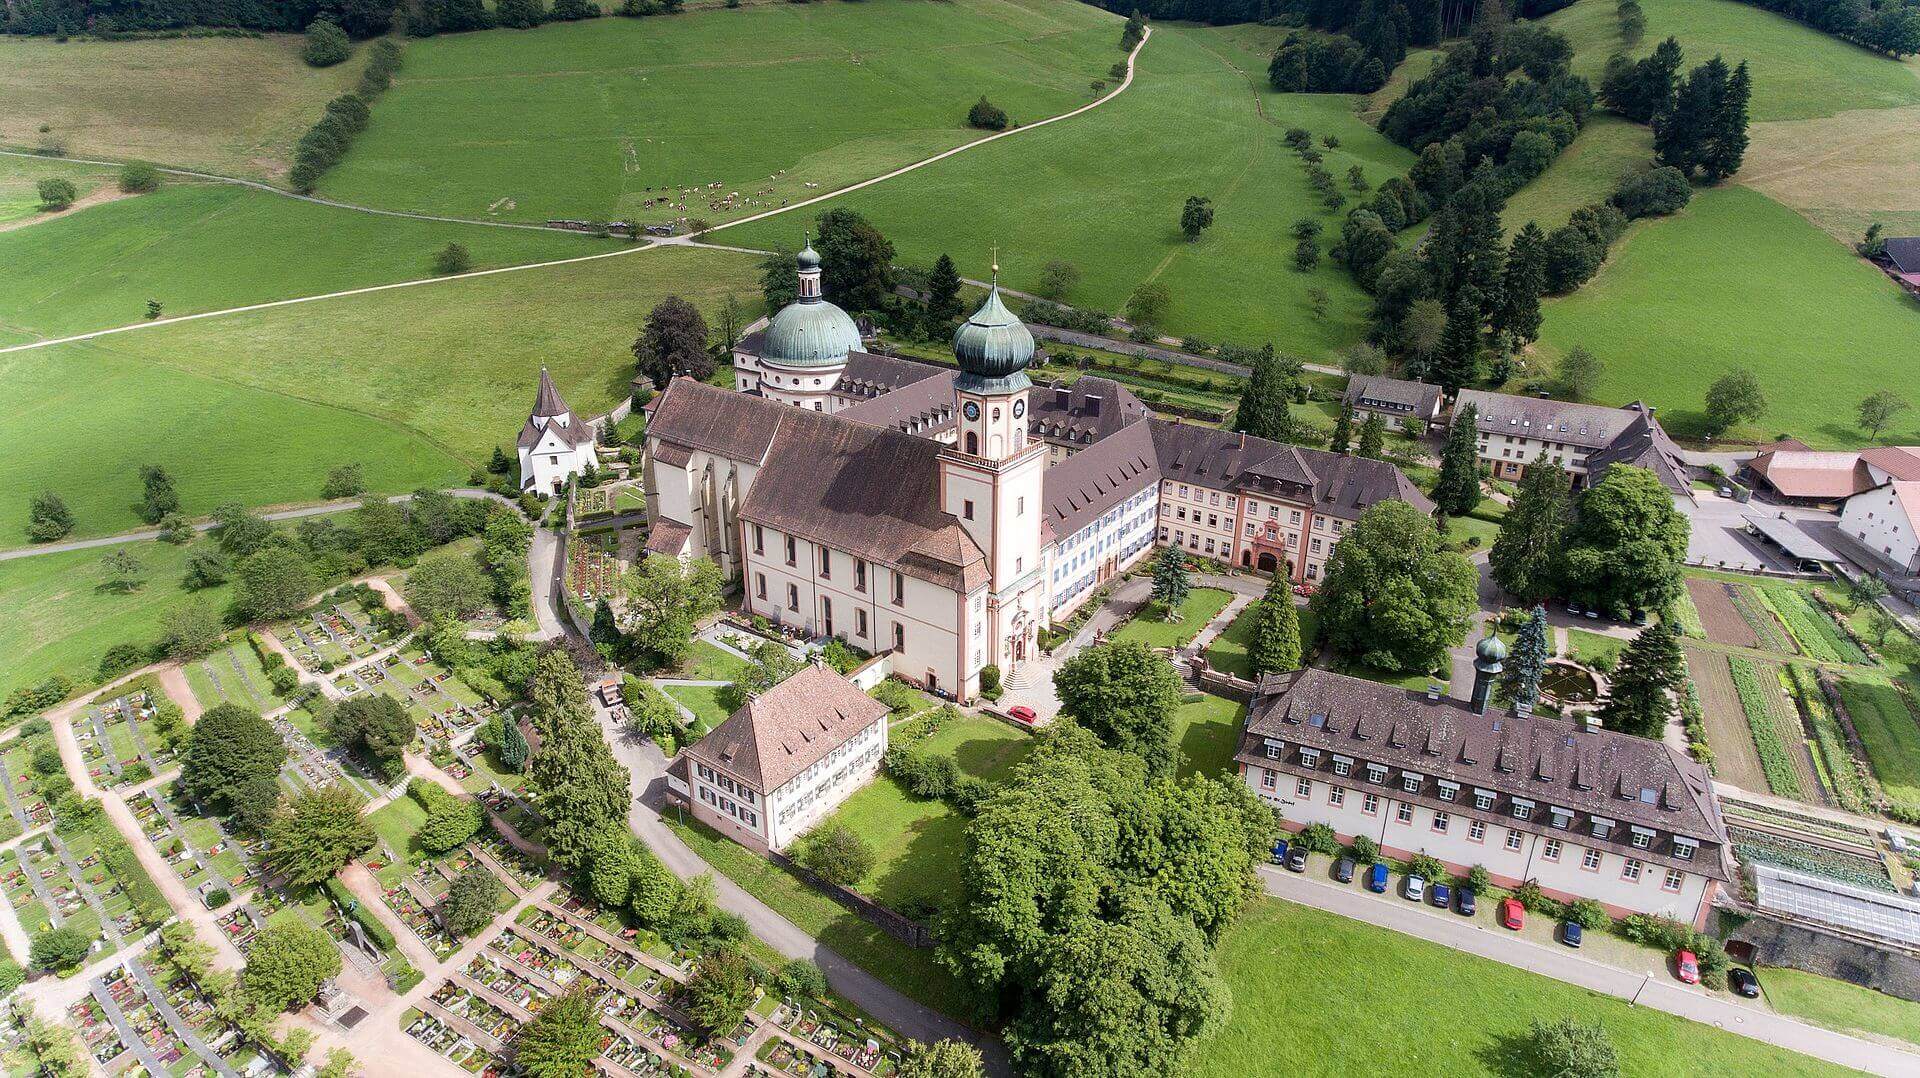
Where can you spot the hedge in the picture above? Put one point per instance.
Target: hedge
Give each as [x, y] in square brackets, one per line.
[356, 909]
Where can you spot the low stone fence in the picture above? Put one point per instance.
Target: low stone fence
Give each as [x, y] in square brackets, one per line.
[1778, 943]
[892, 922]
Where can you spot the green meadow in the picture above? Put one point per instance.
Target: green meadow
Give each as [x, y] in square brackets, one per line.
[1737, 280]
[1317, 994]
[417, 385]
[60, 621]
[776, 102]
[1798, 72]
[1607, 150]
[1104, 191]
[198, 247]
[20, 185]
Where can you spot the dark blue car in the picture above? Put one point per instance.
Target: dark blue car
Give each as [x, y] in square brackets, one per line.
[1279, 854]
[1377, 879]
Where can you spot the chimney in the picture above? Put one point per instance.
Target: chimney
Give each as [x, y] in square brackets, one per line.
[1063, 397]
[1589, 722]
[1243, 439]
[1488, 657]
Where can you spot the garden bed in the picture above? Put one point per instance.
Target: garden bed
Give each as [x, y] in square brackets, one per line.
[1775, 723]
[1812, 628]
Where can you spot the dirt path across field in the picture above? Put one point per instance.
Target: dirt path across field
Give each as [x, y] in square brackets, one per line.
[105, 193]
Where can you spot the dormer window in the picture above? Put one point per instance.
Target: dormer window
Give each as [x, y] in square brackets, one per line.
[1561, 817]
[1642, 837]
[1275, 748]
[1376, 773]
[1683, 848]
[1310, 757]
[1449, 791]
[1342, 766]
[1483, 799]
[1522, 809]
[1601, 827]
[1410, 782]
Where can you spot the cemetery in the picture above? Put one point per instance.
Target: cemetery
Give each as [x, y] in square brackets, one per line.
[333, 635]
[126, 741]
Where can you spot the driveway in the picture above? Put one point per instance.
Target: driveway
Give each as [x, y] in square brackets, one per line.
[1646, 989]
[1720, 538]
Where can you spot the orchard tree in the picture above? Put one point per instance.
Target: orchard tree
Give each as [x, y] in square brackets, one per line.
[674, 341]
[57, 193]
[1392, 595]
[1126, 696]
[1640, 698]
[1057, 278]
[1734, 398]
[1627, 543]
[1147, 305]
[1276, 631]
[1457, 489]
[158, 498]
[122, 569]
[666, 599]
[1196, 217]
[452, 259]
[1876, 411]
[1171, 582]
[316, 833]
[1526, 555]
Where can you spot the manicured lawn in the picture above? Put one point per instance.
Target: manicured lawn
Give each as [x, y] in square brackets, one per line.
[1416, 680]
[1732, 268]
[1191, 124]
[706, 662]
[1207, 732]
[985, 748]
[396, 822]
[418, 385]
[1607, 149]
[703, 700]
[229, 105]
[58, 620]
[1200, 607]
[1839, 1005]
[1798, 71]
[1228, 653]
[1594, 648]
[913, 972]
[1364, 1000]
[200, 247]
[594, 119]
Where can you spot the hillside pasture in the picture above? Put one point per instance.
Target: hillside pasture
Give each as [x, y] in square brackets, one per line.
[1198, 120]
[777, 102]
[60, 621]
[1737, 280]
[1843, 171]
[20, 187]
[1607, 150]
[205, 246]
[1798, 72]
[234, 106]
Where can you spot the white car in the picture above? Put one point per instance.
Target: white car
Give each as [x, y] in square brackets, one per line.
[1416, 888]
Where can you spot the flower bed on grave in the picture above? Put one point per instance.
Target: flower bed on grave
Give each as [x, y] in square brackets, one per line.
[88, 1019]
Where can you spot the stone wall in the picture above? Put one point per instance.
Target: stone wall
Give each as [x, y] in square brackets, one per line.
[1778, 943]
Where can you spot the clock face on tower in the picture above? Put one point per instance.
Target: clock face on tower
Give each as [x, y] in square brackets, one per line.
[973, 410]
[1019, 409]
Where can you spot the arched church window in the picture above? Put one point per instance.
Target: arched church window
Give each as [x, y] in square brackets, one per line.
[973, 443]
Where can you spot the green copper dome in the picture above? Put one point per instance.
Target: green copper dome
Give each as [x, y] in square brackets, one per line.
[810, 332]
[993, 347]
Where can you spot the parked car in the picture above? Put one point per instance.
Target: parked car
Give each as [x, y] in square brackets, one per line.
[1512, 914]
[1297, 858]
[1343, 870]
[1441, 896]
[1572, 934]
[1021, 713]
[1686, 966]
[1279, 855]
[1744, 982]
[1416, 888]
[1464, 904]
[1377, 879]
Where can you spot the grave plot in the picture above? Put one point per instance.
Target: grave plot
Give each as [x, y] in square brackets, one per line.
[26, 762]
[811, 1030]
[87, 880]
[240, 924]
[88, 1019]
[310, 766]
[592, 573]
[415, 898]
[201, 853]
[332, 636]
[123, 741]
[478, 772]
[36, 888]
[446, 710]
[185, 1029]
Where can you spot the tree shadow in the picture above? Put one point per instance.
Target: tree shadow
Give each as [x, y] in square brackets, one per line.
[922, 878]
[989, 758]
[1510, 1055]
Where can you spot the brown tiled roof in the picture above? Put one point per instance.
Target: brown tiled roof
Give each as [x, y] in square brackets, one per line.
[923, 407]
[1901, 462]
[1393, 394]
[869, 375]
[1336, 484]
[1809, 474]
[1088, 483]
[547, 405]
[868, 491]
[1631, 781]
[668, 537]
[1644, 444]
[788, 729]
[1083, 413]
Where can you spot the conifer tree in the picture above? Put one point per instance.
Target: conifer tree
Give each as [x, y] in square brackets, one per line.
[1518, 315]
[943, 292]
[513, 746]
[1276, 631]
[1264, 411]
[1458, 360]
[1530, 654]
[1727, 135]
[1457, 490]
[1527, 552]
[1640, 698]
[1171, 581]
[1343, 429]
[1373, 434]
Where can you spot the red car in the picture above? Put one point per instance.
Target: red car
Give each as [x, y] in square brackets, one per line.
[1687, 967]
[1512, 914]
[1022, 713]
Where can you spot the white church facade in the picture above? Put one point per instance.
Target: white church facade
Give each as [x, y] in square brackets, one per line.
[555, 445]
[948, 516]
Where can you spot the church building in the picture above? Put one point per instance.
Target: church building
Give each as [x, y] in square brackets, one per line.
[555, 445]
[949, 515]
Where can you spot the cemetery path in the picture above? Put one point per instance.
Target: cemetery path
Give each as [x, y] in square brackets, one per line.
[173, 679]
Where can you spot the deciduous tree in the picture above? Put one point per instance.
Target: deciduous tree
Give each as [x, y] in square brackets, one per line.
[1126, 696]
[448, 586]
[1878, 410]
[316, 833]
[190, 630]
[1734, 398]
[666, 599]
[673, 342]
[720, 991]
[563, 1039]
[1196, 217]
[837, 854]
[942, 1059]
[1578, 374]
[1391, 595]
[48, 517]
[1568, 1049]
[287, 962]
[1626, 545]
[856, 261]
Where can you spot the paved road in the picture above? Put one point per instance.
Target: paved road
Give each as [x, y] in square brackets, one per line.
[1656, 991]
[339, 506]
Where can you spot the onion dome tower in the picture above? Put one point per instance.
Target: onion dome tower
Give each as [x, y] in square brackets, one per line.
[810, 333]
[993, 347]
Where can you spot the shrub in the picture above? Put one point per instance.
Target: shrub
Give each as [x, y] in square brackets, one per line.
[217, 898]
[138, 177]
[986, 115]
[451, 259]
[1480, 880]
[836, 854]
[1656, 193]
[1319, 838]
[326, 45]
[1428, 867]
[989, 679]
[1536, 900]
[802, 978]
[1363, 850]
[59, 949]
[1588, 914]
[897, 695]
[57, 193]
[284, 680]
